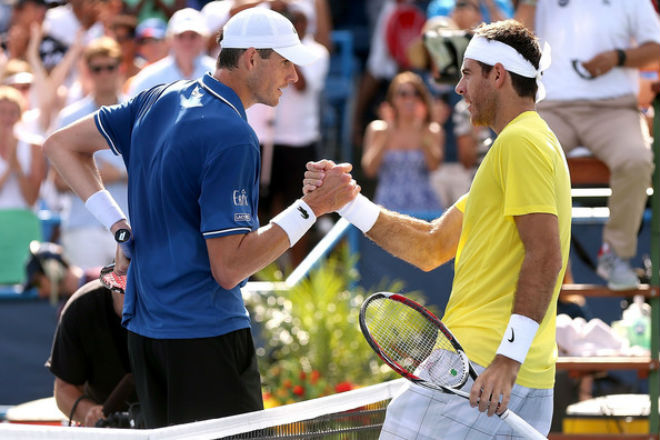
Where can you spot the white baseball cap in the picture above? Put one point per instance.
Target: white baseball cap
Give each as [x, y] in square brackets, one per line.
[187, 19]
[263, 28]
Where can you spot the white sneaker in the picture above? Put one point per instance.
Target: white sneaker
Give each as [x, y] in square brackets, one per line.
[616, 270]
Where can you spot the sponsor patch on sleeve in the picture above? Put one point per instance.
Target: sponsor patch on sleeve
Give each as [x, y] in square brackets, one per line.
[242, 217]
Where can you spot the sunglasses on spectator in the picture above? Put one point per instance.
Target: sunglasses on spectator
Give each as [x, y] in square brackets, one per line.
[408, 94]
[22, 87]
[101, 67]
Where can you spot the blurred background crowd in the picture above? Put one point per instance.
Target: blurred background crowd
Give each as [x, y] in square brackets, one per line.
[370, 99]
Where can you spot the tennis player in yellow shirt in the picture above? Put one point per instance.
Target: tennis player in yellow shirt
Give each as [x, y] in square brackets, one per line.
[509, 237]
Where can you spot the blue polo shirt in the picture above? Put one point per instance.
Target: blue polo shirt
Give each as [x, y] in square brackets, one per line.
[193, 174]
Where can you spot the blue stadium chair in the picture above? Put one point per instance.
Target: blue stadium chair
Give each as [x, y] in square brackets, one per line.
[338, 95]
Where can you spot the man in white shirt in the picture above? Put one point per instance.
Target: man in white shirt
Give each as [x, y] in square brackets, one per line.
[592, 84]
[187, 32]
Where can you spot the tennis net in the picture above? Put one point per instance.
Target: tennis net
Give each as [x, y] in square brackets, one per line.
[356, 414]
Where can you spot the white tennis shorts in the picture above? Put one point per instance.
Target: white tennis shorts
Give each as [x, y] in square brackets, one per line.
[418, 413]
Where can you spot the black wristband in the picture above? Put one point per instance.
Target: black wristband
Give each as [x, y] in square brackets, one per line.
[122, 235]
[75, 405]
[621, 57]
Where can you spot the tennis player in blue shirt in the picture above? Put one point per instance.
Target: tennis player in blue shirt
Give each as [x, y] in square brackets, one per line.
[193, 165]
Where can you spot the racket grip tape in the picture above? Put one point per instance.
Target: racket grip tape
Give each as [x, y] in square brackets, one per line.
[520, 426]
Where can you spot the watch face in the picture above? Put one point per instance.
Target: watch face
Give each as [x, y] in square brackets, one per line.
[122, 235]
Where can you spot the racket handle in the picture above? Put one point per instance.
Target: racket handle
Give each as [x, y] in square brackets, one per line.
[520, 426]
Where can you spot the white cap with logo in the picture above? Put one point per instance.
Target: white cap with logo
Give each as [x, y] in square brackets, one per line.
[263, 28]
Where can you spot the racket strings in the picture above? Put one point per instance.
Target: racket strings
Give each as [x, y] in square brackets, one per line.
[414, 343]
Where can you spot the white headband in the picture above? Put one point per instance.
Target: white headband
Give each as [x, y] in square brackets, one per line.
[492, 51]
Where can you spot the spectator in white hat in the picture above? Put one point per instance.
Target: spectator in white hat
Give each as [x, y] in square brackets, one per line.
[216, 14]
[186, 32]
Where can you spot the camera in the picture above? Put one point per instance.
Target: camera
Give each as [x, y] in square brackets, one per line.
[446, 48]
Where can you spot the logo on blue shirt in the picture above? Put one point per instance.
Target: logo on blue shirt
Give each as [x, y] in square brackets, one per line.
[242, 217]
[240, 198]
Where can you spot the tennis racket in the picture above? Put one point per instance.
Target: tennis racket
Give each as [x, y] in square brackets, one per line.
[112, 280]
[415, 344]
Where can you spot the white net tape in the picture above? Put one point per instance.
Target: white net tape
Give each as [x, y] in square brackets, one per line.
[218, 428]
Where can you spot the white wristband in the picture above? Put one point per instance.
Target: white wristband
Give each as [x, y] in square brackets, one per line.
[104, 208]
[518, 337]
[295, 220]
[362, 212]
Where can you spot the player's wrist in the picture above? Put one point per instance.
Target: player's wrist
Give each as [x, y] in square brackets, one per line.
[518, 337]
[361, 212]
[295, 220]
[104, 208]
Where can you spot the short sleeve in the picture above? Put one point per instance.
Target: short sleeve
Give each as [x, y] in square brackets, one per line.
[230, 192]
[67, 358]
[461, 202]
[527, 178]
[645, 26]
[116, 122]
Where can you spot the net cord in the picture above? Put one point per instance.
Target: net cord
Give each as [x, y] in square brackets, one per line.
[216, 428]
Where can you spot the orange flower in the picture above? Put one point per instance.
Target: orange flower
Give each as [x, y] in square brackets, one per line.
[314, 376]
[287, 383]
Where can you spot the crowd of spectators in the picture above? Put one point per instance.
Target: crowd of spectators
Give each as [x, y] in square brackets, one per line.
[61, 60]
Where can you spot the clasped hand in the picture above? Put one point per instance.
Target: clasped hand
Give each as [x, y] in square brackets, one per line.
[328, 187]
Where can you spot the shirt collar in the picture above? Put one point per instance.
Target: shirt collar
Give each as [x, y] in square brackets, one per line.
[223, 93]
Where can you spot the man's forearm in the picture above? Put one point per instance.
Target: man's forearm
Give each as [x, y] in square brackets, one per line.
[643, 57]
[426, 245]
[78, 170]
[66, 396]
[536, 284]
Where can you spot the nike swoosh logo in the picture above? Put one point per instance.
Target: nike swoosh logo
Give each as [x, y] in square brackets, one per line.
[303, 212]
[513, 336]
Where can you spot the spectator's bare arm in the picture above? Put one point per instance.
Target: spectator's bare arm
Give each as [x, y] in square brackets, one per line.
[323, 24]
[525, 13]
[644, 56]
[41, 83]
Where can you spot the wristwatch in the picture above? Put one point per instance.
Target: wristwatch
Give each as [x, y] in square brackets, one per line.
[122, 235]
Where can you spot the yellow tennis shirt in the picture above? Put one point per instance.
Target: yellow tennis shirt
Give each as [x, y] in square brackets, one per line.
[524, 172]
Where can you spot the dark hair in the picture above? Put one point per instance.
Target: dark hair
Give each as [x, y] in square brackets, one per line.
[514, 34]
[228, 58]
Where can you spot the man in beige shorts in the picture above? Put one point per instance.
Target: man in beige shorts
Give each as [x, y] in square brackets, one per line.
[597, 51]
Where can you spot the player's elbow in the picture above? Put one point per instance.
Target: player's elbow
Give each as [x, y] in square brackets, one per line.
[426, 266]
[226, 277]
[50, 145]
[53, 146]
